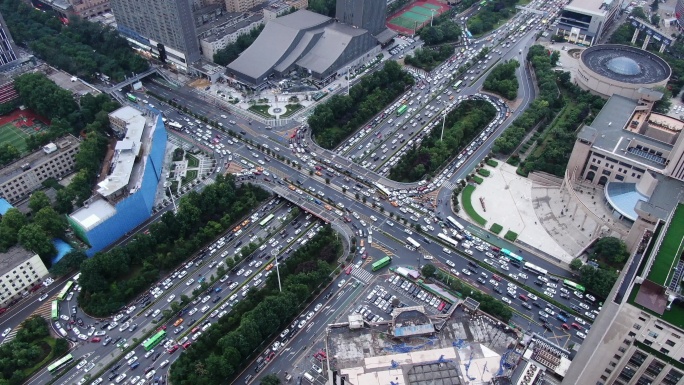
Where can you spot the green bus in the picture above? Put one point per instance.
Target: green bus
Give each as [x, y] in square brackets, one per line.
[483, 3]
[457, 84]
[401, 110]
[59, 364]
[55, 310]
[573, 285]
[153, 341]
[377, 265]
[62, 294]
[266, 220]
[131, 97]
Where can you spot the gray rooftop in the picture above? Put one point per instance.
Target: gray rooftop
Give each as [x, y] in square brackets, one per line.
[593, 7]
[223, 31]
[95, 213]
[661, 202]
[330, 47]
[608, 133]
[12, 257]
[626, 64]
[36, 158]
[272, 45]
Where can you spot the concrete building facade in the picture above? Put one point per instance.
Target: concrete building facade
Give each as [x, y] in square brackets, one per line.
[8, 51]
[585, 21]
[19, 271]
[19, 179]
[126, 197]
[165, 28]
[367, 14]
[219, 38]
[241, 5]
[638, 337]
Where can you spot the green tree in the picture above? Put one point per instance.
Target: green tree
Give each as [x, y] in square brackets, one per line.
[598, 281]
[428, 270]
[610, 249]
[576, 264]
[38, 200]
[69, 263]
[49, 220]
[8, 153]
[33, 237]
[11, 223]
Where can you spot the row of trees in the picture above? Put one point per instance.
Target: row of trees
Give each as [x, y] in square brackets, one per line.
[111, 279]
[609, 255]
[226, 55]
[488, 304]
[429, 58]
[542, 108]
[87, 119]
[28, 348]
[80, 47]
[502, 80]
[323, 7]
[462, 124]
[224, 350]
[489, 17]
[443, 30]
[336, 119]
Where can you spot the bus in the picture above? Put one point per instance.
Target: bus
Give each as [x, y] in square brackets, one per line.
[457, 84]
[447, 239]
[412, 242]
[59, 364]
[55, 310]
[153, 341]
[455, 223]
[483, 3]
[62, 294]
[523, 28]
[534, 268]
[511, 256]
[132, 97]
[382, 189]
[377, 265]
[401, 110]
[573, 285]
[264, 222]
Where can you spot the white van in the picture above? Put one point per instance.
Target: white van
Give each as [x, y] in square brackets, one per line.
[309, 377]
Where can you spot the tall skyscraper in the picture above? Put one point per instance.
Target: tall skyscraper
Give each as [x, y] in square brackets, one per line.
[367, 14]
[7, 49]
[638, 337]
[166, 26]
[241, 5]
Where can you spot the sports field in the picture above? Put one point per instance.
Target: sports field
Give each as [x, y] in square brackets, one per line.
[17, 126]
[670, 250]
[415, 16]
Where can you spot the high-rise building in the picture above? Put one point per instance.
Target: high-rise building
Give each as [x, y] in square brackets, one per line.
[367, 14]
[20, 270]
[241, 5]
[638, 337]
[8, 51]
[166, 27]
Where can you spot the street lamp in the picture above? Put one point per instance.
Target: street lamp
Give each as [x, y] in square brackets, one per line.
[441, 137]
[432, 11]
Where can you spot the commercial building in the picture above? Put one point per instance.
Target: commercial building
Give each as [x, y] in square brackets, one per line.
[242, 5]
[165, 28]
[585, 21]
[314, 44]
[19, 179]
[82, 8]
[637, 156]
[8, 51]
[638, 338]
[613, 69]
[219, 37]
[277, 9]
[20, 270]
[125, 198]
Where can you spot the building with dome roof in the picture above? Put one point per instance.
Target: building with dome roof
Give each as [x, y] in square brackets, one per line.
[613, 69]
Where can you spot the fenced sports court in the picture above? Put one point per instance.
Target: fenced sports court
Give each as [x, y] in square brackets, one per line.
[415, 16]
[18, 125]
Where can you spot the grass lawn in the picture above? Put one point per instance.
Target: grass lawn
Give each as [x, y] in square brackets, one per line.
[670, 249]
[511, 235]
[13, 135]
[483, 172]
[192, 161]
[496, 228]
[468, 206]
[477, 179]
[291, 109]
[190, 176]
[261, 109]
[492, 163]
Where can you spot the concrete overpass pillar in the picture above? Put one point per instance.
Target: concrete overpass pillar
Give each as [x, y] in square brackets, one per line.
[636, 34]
[646, 41]
[662, 48]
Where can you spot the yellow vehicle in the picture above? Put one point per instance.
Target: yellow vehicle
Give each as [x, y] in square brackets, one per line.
[178, 322]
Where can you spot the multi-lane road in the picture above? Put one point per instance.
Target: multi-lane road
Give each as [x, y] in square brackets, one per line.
[369, 220]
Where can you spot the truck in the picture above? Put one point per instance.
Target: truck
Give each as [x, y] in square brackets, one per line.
[177, 126]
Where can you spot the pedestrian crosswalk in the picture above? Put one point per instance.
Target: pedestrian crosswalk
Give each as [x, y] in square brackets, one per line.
[44, 310]
[449, 185]
[361, 274]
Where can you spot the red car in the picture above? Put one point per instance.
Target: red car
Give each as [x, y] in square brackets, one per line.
[187, 344]
[173, 349]
[270, 356]
[96, 339]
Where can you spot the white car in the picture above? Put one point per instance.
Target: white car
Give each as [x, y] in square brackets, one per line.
[466, 271]
[553, 285]
[590, 297]
[81, 364]
[342, 282]
[190, 282]
[581, 335]
[532, 296]
[584, 305]
[446, 251]
[43, 297]
[171, 298]
[506, 300]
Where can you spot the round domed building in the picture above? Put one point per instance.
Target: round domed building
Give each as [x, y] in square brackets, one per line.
[619, 69]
